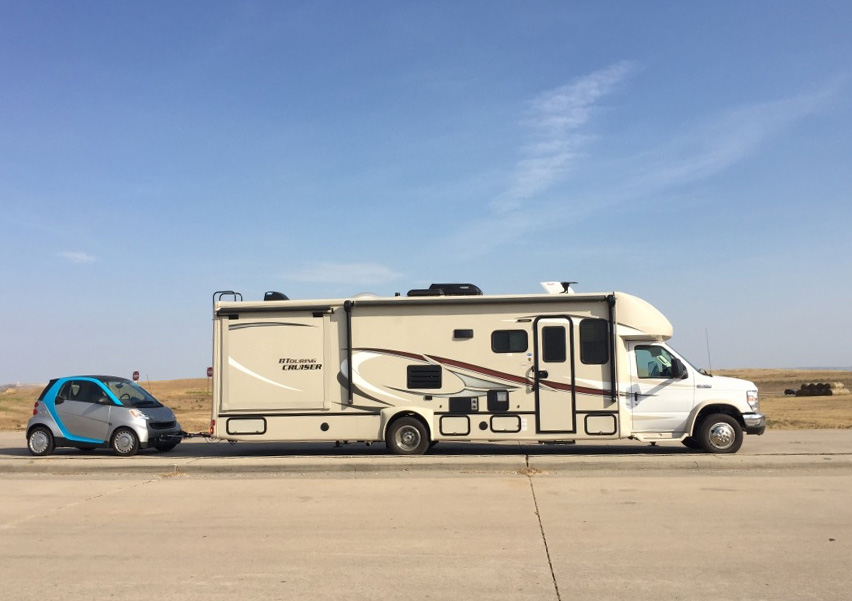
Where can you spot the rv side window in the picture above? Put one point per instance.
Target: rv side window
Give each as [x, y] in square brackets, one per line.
[594, 341]
[509, 341]
[553, 344]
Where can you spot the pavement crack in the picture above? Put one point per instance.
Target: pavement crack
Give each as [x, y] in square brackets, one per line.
[543, 536]
[24, 520]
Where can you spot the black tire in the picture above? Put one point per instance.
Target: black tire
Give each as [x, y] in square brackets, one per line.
[125, 442]
[165, 447]
[407, 436]
[40, 441]
[720, 433]
[690, 443]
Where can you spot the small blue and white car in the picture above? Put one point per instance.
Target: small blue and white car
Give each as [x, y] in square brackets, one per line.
[88, 412]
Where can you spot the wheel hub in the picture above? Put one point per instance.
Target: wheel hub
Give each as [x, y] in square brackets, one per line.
[38, 442]
[722, 436]
[408, 438]
[123, 442]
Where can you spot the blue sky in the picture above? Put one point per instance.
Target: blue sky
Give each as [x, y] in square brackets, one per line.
[695, 154]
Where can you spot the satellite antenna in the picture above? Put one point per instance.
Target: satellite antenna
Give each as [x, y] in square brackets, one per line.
[558, 287]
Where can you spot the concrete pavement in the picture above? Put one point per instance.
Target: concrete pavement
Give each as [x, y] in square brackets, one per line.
[612, 535]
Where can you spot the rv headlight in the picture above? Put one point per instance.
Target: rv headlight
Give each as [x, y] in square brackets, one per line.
[753, 402]
[138, 414]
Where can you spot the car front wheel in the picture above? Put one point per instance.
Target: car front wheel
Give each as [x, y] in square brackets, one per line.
[125, 442]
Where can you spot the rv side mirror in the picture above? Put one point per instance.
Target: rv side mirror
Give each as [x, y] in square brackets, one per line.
[678, 369]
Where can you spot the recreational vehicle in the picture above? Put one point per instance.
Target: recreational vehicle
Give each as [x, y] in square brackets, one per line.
[449, 363]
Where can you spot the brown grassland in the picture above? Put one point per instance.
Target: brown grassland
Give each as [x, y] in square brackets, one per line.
[190, 400]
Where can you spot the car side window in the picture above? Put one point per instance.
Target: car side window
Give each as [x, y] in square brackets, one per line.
[653, 362]
[83, 391]
[69, 391]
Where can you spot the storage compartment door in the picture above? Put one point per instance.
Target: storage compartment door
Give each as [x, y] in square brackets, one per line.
[274, 364]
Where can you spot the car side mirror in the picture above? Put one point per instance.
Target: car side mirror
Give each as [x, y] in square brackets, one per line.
[678, 369]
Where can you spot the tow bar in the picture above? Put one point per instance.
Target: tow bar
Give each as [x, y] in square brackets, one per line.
[206, 435]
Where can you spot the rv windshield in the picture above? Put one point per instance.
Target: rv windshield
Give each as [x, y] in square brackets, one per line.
[131, 394]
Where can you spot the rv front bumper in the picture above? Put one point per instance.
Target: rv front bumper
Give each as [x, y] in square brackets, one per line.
[755, 423]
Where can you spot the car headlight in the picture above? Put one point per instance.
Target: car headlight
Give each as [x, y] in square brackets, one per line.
[138, 414]
[751, 398]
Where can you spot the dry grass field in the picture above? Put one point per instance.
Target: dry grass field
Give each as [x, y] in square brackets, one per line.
[190, 400]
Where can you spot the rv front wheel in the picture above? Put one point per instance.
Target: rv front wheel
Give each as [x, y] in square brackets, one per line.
[407, 436]
[720, 433]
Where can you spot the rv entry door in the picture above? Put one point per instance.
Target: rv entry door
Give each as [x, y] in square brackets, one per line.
[553, 368]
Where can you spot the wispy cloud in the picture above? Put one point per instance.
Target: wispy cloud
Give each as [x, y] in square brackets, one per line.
[719, 142]
[75, 256]
[555, 120]
[346, 273]
[560, 122]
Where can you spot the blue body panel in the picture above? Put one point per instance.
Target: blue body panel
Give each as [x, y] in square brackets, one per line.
[49, 401]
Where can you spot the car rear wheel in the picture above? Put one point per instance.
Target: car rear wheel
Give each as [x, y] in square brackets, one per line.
[40, 441]
[125, 442]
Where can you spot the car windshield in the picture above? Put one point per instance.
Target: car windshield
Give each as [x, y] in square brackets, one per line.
[131, 394]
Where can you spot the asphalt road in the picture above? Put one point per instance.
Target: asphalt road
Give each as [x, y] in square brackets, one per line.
[626, 521]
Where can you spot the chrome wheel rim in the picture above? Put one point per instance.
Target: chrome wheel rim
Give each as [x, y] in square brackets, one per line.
[722, 435]
[39, 441]
[408, 438]
[124, 442]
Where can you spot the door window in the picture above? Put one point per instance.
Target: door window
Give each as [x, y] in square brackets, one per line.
[653, 362]
[553, 344]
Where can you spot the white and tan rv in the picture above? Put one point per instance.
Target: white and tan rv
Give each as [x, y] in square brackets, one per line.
[450, 364]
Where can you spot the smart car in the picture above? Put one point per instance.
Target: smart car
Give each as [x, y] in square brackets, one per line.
[88, 412]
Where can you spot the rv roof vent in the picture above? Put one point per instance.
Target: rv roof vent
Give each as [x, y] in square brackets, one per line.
[365, 296]
[457, 289]
[274, 296]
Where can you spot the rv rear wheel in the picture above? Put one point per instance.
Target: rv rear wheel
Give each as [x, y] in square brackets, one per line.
[720, 433]
[407, 436]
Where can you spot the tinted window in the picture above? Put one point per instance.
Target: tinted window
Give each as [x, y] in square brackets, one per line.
[594, 341]
[509, 341]
[83, 391]
[553, 344]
